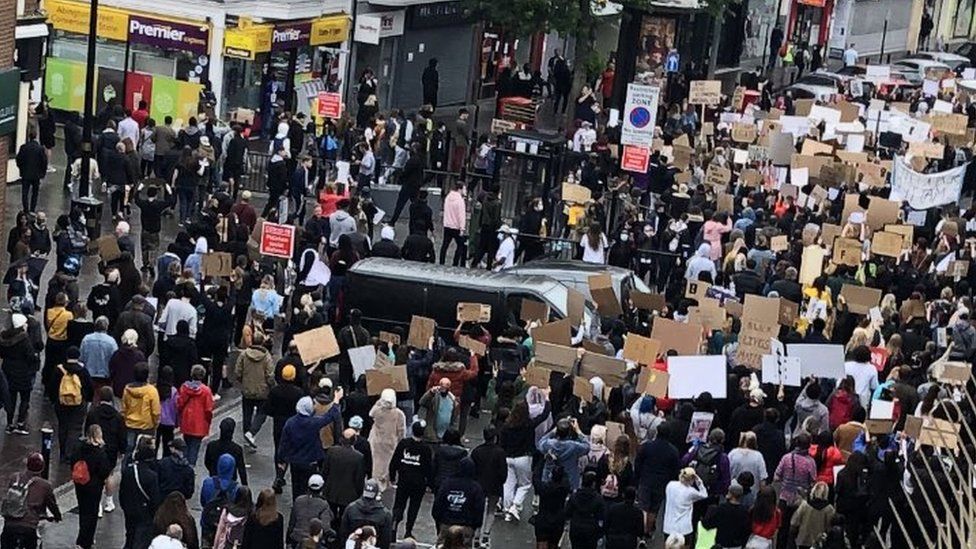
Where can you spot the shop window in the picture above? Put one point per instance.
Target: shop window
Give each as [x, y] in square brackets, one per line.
[732, 37]
[962, 18]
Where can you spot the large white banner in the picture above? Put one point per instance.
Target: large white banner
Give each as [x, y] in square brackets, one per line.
[925, 190]
[640, 115]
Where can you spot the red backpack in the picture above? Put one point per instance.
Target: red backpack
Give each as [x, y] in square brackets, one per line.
[79, 473]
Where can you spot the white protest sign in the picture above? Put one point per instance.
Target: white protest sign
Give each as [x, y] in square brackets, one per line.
[799, 177]
[639, 116]
[855, 143]
[942, 106]
[882, 409]
[786, 370]
[694, 375]
[925, 190]
[821, 360]
[877, 72]
[930, 87]
[796, 125]
[826, 114]
[362, 359]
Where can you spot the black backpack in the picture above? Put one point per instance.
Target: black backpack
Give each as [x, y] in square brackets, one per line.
[706, 467]
[210, 515]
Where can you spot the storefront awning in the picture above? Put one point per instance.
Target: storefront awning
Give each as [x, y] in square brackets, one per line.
[34, 30]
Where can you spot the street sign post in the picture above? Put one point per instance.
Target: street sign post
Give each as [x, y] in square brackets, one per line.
[640, 115]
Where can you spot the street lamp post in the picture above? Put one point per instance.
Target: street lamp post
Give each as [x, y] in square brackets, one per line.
[91, 206]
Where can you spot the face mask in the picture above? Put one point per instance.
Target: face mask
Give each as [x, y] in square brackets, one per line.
[501, 237]
[538, 207]
[624, 237]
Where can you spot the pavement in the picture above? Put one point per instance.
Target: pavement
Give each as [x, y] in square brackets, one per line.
[110, 534]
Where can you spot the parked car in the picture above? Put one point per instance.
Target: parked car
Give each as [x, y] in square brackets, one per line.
[389, 292]
[819, 86]
[967, 50]
[956, 62]
[917, 70]
[576, 275]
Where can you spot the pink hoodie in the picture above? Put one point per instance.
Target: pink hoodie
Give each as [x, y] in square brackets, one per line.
[454, 211]
[712, 233]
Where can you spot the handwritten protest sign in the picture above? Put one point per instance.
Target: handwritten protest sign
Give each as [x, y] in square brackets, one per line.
[705, 92]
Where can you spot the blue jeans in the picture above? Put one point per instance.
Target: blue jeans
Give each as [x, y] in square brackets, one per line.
[185, 197]
[192, 449]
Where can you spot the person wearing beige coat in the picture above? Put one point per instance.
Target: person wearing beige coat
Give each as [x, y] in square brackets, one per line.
[389, 427]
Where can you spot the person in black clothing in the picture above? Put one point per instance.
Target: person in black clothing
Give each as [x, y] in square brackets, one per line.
[92, 452]
[747, 281]
[387, 246]
[350, 337]
[179, 351]
[730, 519]
[411, 179]
[585, 510]
[218, 324]
[418, 247]
[459, 501]
[430, 81]
[623, 522]
[280, 406]
[70, 408]
[491, 463]
[175, 473]
[412, 464]
[32, 163]
[234, 159]
[770, 440]
[151, 210]
[531, 224]
[788, 287]
[139, 495]
[550, 520]
[226, 445]
[562, 80]
[421, 216]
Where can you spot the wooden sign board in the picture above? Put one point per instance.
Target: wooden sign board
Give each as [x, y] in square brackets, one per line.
[387, 378]
[316, 345]
[533, 310]
[860, 299]
[847, 251]
[421, 330]
[577, 194]
[681, 337]
[603, 294]
[640, 349]
[705, 92]
[217, 264]
[473, 312]
[887, 244]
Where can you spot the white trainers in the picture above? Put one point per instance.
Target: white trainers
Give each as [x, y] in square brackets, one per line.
[250, 439]
[109, 505]
[216, 397]
[514, 513]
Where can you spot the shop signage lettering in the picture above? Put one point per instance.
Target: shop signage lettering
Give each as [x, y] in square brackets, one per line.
[9, 95]
[292, 35]
[440, 14]
[168, 34]
[277, 240]
[73, 17]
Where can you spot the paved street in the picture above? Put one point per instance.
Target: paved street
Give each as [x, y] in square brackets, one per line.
[14, 448]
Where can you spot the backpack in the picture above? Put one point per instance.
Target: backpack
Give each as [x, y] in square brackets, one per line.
[210, 515]
[14, 503]
[80, 474]
[610, 489]
[278, 145]
[69, 390]
[706, 467]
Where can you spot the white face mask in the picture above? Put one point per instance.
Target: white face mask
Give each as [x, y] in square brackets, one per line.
[538, 207]
[624, 237]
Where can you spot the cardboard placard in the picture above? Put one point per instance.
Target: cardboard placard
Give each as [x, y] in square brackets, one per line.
[788, 311]
[906, 231]
[108, 248]
[887, 244]
[603, 294]
[913, 426]
[681, 141]
[695, 289]
[648, 302]
[849, 112]
[813, 148]
[812, 163]
[954, 124]
[473, 312]
[705, 92]
[394, 378]
[318, 344]
[725, 202]
[558, 358]
[855, 158]
[882, 212]
[743, 132]
[533, 310]
[681, 337]
[860, 299]
[750, 177]
[640, 349]
[811, 264]
[847, 251]
[958, 269]
[614, 431]
[575, 305]
[611, 370]
[879, 426]
[536, 376]
[362, 359]
[593, 347]
[382, 361]
[558, 332]
[754, 341]
[801, 107]
[421, 330]
[217, 264]
[738, 96]
[954, 373]
[779, 243]
[577, 194]
[781, 148]
[733, 308]
[926, 149]
[939, 433]
[390, 337]
[911, 308]
[654, 382]
[709, 313]
[763, 309]
[872, 174]
[718, 176]
[582, 389]
[473, 345]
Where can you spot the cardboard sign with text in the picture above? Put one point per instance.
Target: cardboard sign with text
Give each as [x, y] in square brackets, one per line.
[717, 176]
[695, 289]
[751, 177]
[473, 312]
[847, 251]
[754, 341]
[421, 330]
[683, 338]
[705, 92]
[390, 337]
[217, 264]
[744, 132]
[277, 240]
[318, 344]
[954, 124]
[926, 149]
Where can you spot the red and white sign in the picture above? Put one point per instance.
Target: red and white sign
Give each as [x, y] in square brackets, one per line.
[635, 159]
[330, 105]
[277, 240]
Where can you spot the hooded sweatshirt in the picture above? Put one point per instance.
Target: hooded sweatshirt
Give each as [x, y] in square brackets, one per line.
[806, 407]
[254, 371]
[460, 499]
[301, 428]
[140, 406]
[225, 445]
[195, 407]
[963, 340]
[195, 261]
[340, 223]
[701, 262]
[224, 480]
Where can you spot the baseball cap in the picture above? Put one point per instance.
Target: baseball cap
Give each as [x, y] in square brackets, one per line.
[356, 422]
[371, 490]
[315, 482]
[288, 373]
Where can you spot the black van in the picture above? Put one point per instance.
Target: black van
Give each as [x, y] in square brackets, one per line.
[390, 291]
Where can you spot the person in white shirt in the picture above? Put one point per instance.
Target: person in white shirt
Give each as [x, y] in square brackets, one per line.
[505, 256]
[679, 500]
[850, 56]
[864, 374]
[128, 127]
[584, 138]
[594, 244]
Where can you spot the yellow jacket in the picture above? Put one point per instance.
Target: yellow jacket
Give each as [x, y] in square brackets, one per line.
[140, 406]
[57, 320]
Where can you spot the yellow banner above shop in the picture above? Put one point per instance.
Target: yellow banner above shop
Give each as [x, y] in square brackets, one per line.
[73, 17]
[245, 43]
[329, 30]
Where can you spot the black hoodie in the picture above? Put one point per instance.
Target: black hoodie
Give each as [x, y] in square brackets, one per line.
[113, 429]
[447, 462]
[20, 359]
[460, 500]
[225, 445]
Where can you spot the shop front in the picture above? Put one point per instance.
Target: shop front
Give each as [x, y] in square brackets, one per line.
[378, 48]
[139, 57]
[283, 64]
[809, 23]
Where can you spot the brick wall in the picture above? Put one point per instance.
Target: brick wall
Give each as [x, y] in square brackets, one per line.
[8, 22]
